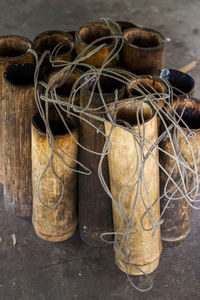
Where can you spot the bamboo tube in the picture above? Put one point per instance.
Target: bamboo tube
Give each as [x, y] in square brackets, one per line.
[143, 52]
[48, 40]
[88, 34]
[124, 159]
[59, 223]
[177, 216]
[95, 212]
[18, 107]
[64, 84]
[13, 49]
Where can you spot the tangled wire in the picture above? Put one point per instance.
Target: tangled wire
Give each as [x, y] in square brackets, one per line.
[146, 102]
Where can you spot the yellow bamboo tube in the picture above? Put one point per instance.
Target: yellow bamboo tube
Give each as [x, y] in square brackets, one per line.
[144, 249]
[59, 223]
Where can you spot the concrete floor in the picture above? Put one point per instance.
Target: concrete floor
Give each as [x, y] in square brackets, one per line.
[35, 269]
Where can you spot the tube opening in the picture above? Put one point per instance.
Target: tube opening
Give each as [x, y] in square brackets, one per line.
[65, 89]
[22, 74]
[108, 85]
[91, 32]
[142, 38]
[190, 114]
[48, 41]
[13, 46]
[180, 81]
[145, 86]
[55, 123]
[133, 112]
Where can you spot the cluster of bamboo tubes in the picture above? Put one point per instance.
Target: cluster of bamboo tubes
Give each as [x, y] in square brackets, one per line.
[46, 152]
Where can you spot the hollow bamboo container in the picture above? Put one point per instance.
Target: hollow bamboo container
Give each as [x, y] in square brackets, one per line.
[58, 223]
[143, 52]
[48, 40]
[177, 215]
[18, 108]
[95, 211]
[124, 162]
[64, 84]
[87, 34]
[13, 49]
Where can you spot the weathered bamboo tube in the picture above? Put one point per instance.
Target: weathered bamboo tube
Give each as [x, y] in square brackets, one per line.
[177, 216]
[95, 210]
[182, 83]
[124, 159]
[143, 51]
[64, 84]
[48, 40]
[13, 49]
[58, 223]
[88, 34]
[18, 108]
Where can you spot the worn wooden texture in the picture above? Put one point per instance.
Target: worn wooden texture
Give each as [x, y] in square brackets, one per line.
[95, 211]
[64, 86]
[59, 223]
[13, 49]
[88, 34]
[143, 52]
[48, 40]
[177, 215]
[18, 107]
[122, 159]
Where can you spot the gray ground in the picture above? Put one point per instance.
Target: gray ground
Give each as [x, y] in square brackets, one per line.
[36, 269]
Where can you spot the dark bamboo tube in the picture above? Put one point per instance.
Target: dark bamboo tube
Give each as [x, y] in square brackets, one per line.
[143, 51]
[177, 216]
[64, 84]
[59, 223]
[182, 83]
[48, 40]
[88, 34]
[18, 108]
[95, 212]
[125, 162]
[13, 49]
